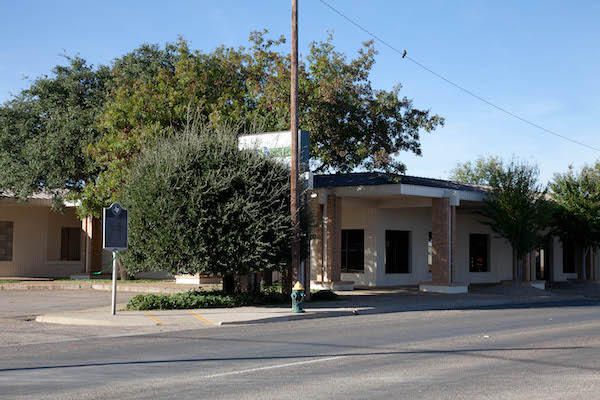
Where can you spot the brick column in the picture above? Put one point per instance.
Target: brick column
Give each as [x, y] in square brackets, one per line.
[316, 243]
[84, 244]
[334, 238]
[441, 215]
[95, 249]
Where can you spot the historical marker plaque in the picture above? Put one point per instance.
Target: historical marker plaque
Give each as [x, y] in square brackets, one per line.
[115, 227]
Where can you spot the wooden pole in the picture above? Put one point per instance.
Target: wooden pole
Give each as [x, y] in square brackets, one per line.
[295, 267]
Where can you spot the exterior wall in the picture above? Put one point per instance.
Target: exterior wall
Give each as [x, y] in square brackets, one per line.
[500, 251]
[362, 214]
[417, 220]
[36, 241]
[557, 262]
[375, 215]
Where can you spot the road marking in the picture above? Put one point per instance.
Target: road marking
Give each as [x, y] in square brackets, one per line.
[155, 319]
[201, 318]
[246, 371]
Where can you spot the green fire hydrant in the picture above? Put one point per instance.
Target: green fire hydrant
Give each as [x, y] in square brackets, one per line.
[297, 298]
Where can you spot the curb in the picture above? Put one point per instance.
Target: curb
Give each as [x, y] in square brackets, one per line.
[91, 286]
[70, 320]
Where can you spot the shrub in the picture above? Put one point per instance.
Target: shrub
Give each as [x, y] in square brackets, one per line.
[323, 295]
[202, 299]
[199, 205]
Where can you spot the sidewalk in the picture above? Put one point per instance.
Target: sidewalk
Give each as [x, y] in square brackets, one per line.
[361, 302]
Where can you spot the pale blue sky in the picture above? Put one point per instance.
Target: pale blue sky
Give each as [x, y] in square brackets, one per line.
[539, 59]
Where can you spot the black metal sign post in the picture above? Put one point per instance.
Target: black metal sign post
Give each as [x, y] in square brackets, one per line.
[114, 238]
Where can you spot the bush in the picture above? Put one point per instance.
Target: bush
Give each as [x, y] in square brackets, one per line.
[323, 295]
[203, 299]
[197, 204]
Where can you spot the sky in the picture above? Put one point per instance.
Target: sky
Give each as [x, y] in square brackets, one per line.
[537, 59]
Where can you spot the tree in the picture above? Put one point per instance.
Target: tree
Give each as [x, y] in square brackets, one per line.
[576, 197]
[351, 124]
[197, 204]
[44, 129]
[478, 172]
[516, 209]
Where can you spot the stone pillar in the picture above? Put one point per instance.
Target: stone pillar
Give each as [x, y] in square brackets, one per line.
[334, 238]
[441, 216]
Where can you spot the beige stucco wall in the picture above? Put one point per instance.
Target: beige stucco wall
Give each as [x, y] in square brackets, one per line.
[36, 241]
[368, 214]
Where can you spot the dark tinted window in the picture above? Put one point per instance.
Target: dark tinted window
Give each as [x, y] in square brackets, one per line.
[6, 240]
[397, 252]
[568, 258]
[353, 250]
[478, 253]
[70, 244]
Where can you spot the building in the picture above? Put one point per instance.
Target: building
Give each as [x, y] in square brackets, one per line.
[370, 230]
[36, 241]
[375, 230]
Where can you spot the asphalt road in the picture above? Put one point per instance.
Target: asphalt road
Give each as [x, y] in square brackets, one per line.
[505, 353]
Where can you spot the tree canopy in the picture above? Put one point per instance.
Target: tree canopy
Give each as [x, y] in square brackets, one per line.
[576, 217]
[516, 209]
[44, 129]
[82, 127]
[478, 172]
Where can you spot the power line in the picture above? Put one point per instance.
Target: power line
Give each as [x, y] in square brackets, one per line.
[404, 55]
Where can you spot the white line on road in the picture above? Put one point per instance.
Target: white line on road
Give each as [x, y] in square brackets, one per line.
[246, 371]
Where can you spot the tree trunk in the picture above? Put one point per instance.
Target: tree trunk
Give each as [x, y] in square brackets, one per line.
[229, 284]
[124, 275]
[583, 266]
[515, 265]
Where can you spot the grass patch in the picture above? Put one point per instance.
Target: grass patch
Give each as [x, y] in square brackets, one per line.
[120, 281]
[203, 299]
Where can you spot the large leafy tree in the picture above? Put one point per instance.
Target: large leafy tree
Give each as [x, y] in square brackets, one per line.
[199, 205]
[576, 196]
[478, 172]
[44, 129]
[516, 209]
[352, 125]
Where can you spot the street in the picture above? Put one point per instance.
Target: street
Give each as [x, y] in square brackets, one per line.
[499, 352]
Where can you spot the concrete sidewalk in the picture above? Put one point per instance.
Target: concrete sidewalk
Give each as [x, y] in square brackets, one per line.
[193, 318]
[361, 302]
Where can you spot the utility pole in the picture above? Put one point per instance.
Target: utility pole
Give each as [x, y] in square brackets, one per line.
[293, 275]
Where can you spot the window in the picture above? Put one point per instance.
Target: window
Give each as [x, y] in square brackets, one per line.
[70, 244]
[353, 250]
[569, 258]
[6, 240]
[397, 252]
[478, 253]
[429, 252]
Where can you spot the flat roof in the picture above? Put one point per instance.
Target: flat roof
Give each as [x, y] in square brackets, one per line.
[379, 178]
